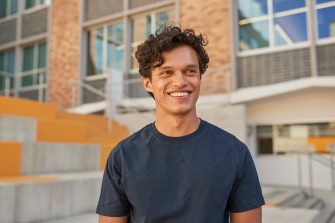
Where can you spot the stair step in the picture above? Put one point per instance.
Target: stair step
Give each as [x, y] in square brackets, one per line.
[59, 196]
[43, 158]
[15, 128]
[286, 198]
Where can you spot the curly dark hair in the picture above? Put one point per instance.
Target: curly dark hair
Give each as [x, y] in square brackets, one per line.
[166, 38]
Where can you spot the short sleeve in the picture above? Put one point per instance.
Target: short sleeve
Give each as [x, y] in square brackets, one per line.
[113, 201]
[246, 193]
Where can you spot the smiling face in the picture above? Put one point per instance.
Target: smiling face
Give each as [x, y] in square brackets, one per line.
[176, 83]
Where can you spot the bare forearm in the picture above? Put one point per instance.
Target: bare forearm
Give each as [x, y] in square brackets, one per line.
[251, 216]
[105, 219]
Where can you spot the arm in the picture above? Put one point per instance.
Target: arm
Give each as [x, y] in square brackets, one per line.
[251, 216]
[105, 219]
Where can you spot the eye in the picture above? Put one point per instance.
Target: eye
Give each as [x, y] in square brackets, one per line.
[166, 73]
[190, 72]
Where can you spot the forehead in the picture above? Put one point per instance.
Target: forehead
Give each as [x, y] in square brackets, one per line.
[183, 55]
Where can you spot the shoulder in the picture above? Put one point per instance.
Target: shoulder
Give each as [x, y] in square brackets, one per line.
[133, 141]
[218, 134]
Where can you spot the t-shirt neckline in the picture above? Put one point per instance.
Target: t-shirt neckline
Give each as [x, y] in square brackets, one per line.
[171, 139]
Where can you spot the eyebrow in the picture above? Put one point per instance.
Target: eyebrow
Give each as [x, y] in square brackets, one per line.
[169, 67]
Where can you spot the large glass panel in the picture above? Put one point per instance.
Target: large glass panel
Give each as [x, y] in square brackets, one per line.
[3, 8]
[13, 7]
[115, 47]
[2, 79]
[30, 3]
[162, 18]
[254, 35]
[264, 140]
[98, 57]
[41, 55]
[11, 66]
[290, 29]
[28, 64]
[326, 22]
[324, 1]
[42, 58]
[252, 8]
[284, 5]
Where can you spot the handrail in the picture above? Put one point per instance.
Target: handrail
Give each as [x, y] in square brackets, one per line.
[311, 154]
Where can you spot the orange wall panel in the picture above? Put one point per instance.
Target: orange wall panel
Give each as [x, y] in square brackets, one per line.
[10, 158]
[23, 107]
[321, 143]
[61, 131]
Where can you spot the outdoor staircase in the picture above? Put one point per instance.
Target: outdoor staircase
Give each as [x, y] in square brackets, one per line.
[51, 161]
[285, 204]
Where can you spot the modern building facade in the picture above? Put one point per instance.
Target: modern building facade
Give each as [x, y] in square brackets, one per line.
[272, 60]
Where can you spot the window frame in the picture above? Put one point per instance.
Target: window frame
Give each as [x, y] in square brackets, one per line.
[270, 17]
[36, 71]
[8, 10]
[105, 68]
[317, 6]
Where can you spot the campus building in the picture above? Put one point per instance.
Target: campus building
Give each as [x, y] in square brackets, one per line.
[271, 78]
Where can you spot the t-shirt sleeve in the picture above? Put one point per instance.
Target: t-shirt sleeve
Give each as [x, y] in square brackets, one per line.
[113, 201]
[246, 193]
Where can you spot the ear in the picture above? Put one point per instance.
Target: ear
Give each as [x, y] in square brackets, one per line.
[146, 82]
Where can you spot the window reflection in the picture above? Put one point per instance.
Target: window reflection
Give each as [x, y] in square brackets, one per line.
[324, 1]
[254, 35]
[252, 8]
[290, 29]
[326, 22]
[105, 49]
[284, 5]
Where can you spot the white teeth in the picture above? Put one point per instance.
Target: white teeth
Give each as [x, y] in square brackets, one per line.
[179, 94]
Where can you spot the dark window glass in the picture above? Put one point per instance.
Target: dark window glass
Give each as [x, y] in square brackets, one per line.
[290, 29]
[284, 5]
[326, 22]
[13, 7]
[3, 8]
[264, 140]
[30, 3]
[41, 55]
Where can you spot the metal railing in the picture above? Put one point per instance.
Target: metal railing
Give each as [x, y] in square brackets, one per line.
[14, 84]
[312, 155]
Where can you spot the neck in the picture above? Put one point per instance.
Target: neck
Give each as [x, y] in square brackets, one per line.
[176, 126]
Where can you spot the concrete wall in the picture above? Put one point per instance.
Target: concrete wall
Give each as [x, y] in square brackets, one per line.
[7, 209]
[14, 128]
[53, 200]
[41, 158]
[284, 170]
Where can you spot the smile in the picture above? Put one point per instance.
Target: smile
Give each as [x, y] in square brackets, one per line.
[180, 93]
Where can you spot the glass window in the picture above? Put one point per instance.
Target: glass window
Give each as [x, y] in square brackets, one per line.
[13, 7]
[30, 3]
[285, 5]
[105, 49]
[256, 16]
[324, 1]
[144, 25]
[254, 35]
[33, 3]
[3, 8]
[264, 140]
[290, 29]
[7, 67]
[34, 60]
[326, 22]
[252, 8]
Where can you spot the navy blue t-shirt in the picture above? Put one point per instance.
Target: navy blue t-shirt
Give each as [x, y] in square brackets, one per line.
[197, 178]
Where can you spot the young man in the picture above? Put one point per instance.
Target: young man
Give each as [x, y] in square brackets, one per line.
[179, 169]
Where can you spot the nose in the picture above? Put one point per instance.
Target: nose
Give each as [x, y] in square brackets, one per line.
[179, 79]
